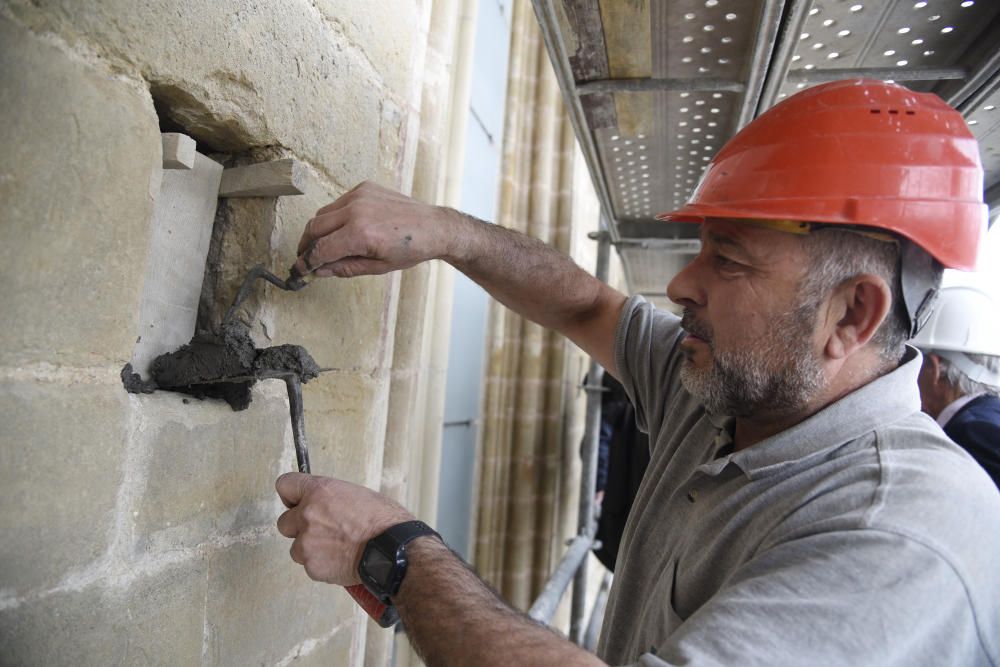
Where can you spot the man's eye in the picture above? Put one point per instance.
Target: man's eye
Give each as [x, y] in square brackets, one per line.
[725, 262]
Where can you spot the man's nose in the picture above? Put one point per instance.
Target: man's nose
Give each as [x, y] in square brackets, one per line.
[686, 289]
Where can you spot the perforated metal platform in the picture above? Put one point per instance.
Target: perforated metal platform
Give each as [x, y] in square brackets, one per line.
[655, 87]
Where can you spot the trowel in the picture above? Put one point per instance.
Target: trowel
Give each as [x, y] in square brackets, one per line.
[227, 366]
[293, 283]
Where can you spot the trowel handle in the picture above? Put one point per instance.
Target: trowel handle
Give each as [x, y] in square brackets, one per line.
[382, 614]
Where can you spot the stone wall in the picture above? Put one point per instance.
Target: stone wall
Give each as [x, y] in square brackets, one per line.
[139, 529]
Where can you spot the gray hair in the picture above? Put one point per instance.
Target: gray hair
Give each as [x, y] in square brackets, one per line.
[963, 383]
[838, 255]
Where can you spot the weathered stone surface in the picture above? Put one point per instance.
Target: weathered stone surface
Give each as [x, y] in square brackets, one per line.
[154, 620]
[395, 162]
[216, 69]
[146, 513]
[60, 468]
[387, 33]
[261, 605]
[344, 323]
[346, 417]
[77, 168]
[210, 471]
[341, 649]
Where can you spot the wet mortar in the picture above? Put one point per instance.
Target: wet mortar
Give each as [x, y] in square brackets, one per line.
[197, 367]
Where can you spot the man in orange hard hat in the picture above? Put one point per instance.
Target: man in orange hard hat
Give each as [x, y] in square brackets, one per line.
[798, 507]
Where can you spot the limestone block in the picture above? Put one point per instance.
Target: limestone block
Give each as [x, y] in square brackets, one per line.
[278, 74]
[178, 150]
[182, 221]
[155, 620]
[210, 471]
[396, 156]
[79, 156]
[339, 649]
[261, 605]
[344, 323]
[387, 32]
[265, 179]
[60, 469]
[346, 417]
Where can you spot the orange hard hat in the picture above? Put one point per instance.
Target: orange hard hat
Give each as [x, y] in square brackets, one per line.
[859, 152]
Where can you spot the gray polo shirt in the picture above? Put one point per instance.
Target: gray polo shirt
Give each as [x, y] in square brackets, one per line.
[861, 536]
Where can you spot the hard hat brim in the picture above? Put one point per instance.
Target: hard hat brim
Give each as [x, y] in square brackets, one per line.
[951, 247]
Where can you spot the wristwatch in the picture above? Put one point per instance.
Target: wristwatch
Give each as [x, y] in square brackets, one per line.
[383, 563]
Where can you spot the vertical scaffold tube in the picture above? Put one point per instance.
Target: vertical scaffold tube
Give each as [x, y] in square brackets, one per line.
[588, 473]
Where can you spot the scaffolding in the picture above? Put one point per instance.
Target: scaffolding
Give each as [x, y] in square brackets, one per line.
[573, 565]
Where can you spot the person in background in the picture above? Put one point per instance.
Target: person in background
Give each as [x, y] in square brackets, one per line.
[622, 460]
[960, 377]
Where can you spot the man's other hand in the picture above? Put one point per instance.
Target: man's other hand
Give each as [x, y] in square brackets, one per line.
[330, 521]
[372, 230]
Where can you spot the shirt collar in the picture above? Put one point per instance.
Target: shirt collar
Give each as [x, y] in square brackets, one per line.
[955, 406]
[881, 401]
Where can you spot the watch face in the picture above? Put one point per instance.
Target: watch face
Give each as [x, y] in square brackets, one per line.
[378, 566]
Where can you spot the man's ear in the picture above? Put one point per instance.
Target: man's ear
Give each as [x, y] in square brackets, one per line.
[933, 363]
[862, 303]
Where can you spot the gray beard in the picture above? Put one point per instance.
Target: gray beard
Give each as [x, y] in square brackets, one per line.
[779, 374]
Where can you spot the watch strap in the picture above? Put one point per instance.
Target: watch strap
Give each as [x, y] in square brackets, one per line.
[405, 532]
[392, 543]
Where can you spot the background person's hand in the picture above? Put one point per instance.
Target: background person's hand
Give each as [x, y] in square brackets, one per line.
[330, 521]
[373, 230]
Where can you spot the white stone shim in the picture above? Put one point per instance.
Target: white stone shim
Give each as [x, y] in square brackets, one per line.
[178, 150]
[183, 216]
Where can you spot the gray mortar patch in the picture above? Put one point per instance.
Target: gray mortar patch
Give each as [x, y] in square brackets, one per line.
[197, 367]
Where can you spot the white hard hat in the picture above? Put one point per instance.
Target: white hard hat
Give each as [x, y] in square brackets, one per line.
[964, 320]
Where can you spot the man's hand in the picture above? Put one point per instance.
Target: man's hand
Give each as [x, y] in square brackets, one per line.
[450, 615]
[372, 230]
[331, 521]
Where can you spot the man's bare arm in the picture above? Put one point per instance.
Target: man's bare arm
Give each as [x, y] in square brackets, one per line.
[372, 230]
[540, 283]
[453, 618]
[450, 615]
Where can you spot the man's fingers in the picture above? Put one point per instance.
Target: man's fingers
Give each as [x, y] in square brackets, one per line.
[291, 487]
[295, 551]
[329, 249]
[349, 267]
[288, 523]
[321, 225]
